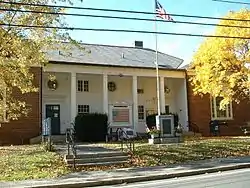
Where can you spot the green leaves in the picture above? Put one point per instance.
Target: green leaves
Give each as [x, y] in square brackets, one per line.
[219, 63]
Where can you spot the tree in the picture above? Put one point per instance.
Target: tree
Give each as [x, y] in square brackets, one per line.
[220, 63]
[21, 48]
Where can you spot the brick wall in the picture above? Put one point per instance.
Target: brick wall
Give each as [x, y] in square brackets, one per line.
[200, 114]
[20, 131]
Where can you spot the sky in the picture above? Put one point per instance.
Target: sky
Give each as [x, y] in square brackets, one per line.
[179, 46]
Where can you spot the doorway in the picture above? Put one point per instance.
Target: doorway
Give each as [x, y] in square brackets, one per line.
[53, 112]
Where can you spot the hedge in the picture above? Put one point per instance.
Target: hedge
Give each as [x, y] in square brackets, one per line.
[91, 127]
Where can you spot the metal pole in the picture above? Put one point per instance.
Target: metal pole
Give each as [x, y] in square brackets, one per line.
[157, 70]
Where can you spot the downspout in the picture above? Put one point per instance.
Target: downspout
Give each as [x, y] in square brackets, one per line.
[188, 106]
[41, 100]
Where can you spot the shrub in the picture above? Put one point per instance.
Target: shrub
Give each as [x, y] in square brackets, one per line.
[91, 127]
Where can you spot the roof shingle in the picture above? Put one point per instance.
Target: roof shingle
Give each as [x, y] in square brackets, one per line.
[116, 56]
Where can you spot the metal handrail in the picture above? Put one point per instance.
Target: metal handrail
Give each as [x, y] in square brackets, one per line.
[129, 142]
[193, 127]
[70, 140]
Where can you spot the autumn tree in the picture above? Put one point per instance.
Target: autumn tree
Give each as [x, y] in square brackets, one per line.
[21, 48]
[221, 64]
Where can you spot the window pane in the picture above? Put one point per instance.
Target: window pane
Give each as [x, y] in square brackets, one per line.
[212, 106]
[86, 85]
[220, 113]
[229, 110]
[141, 112]
[167, 109]
[79, 85]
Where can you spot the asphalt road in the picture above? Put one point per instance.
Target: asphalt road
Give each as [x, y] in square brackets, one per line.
[227, 179]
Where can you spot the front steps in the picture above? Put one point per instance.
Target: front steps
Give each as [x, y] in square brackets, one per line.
[97, 159]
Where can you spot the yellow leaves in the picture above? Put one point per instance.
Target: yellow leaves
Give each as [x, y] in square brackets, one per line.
[21, 48]
[220, 63]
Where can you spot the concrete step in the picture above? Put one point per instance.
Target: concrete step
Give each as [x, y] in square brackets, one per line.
[81, 155]
[100, 163]
[98, 160]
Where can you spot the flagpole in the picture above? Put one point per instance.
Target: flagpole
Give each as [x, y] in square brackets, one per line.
[157, 71]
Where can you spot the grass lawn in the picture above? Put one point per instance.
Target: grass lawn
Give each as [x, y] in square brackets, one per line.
[190, 150]
[29, 162]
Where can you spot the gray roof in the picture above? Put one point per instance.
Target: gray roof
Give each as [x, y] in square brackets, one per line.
[187, 66]
[108, 55]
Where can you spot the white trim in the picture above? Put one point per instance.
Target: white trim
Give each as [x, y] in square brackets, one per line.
[125, 71]
[73, 97]
[162, 94]
[213, 107]
[135, 101]
[105, 94]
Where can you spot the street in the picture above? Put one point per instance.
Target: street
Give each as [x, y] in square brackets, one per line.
[227, 179]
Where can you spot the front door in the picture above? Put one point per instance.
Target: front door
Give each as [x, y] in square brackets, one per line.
[53, 111]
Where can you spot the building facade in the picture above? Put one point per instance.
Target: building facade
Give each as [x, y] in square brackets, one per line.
[113, 79]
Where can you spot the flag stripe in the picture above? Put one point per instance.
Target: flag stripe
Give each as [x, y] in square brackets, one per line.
[121, 115]
[161, 12]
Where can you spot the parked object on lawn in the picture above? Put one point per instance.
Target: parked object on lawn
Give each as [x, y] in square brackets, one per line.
[215, 127]
[126, 133]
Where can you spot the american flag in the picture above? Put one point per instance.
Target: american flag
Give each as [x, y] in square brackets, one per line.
[121, 115]
[161, 12]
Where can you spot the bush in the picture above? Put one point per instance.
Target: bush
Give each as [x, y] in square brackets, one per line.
[91, 127]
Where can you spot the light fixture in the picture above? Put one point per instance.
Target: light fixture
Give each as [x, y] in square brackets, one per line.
[166, 90]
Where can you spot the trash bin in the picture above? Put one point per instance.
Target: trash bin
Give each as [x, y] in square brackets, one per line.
[214, 128]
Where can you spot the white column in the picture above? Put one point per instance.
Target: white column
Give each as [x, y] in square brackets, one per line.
[185, 105]
[135, 102]
[73, 96]
[162, 94]
[105, 94]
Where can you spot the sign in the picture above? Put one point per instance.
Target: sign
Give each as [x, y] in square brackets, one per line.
[121, 115]
[46, 127]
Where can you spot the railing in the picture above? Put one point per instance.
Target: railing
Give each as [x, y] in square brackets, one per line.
[46, 132]
[127, 141]
[193, 127]
[70, 140]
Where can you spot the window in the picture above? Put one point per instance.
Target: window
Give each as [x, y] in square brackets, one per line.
[220, 114]
[111, 86]
[141, 112]
[86, 85]
[83, 85]
[167, 109]
[83, 109]
[79, 85]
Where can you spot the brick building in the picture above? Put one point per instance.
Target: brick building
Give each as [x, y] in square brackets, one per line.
[113, 78]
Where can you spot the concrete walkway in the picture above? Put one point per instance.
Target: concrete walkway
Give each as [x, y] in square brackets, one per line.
[84, 149]
[129, 175]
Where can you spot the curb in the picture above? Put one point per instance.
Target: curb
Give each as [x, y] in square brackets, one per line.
[144, 178]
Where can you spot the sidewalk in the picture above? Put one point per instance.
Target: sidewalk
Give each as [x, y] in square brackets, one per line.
[129, 175]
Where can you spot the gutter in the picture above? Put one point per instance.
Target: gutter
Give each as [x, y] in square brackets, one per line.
[117, 66]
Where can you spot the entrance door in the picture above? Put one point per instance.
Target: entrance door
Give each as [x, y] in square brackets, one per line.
[53, 111]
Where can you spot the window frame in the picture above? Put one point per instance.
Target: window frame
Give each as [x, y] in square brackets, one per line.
[213, 108]
[79, 85]
[85, 109]
[141, 112]
[86, 85]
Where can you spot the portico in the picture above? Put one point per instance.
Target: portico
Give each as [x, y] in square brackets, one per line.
[84, 89]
